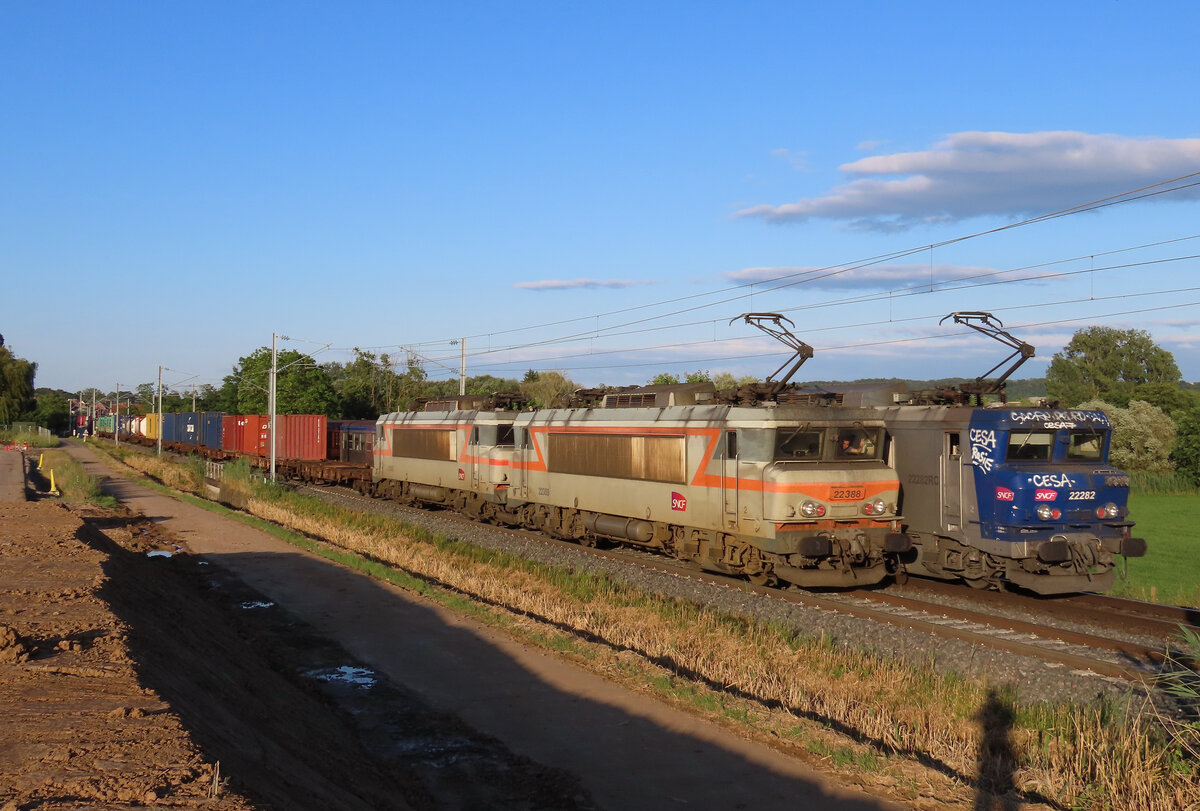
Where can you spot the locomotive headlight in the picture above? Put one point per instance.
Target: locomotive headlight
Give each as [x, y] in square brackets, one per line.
[1109, 510]
[811, 509]
[1046, 512]
[876, 507]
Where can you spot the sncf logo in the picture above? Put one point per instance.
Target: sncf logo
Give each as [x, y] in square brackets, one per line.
[1004, 494]
[678, 502]
[1045, 495]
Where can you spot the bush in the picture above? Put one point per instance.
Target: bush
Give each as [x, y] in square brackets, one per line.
[1143, 436]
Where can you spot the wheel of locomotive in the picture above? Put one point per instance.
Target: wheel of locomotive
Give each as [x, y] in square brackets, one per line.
[595, 542]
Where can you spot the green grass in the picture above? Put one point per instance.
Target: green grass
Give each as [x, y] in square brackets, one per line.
[1145, 483]
[1170, 571]
[75, 485]
[34, 440]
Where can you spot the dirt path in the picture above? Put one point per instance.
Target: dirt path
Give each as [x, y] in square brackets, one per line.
[628, 751]
[12, 476]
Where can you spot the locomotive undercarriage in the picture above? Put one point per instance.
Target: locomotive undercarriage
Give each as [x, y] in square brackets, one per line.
[1060, 566]
[829, 559]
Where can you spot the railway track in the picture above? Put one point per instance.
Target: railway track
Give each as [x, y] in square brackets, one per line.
[1133, 617]
[1094, 651]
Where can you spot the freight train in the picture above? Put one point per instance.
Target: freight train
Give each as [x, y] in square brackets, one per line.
[779, 483]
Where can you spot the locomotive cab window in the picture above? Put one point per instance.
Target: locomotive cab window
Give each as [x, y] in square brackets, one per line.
[505, 434]
[1085, 445]
[1030, 446]
[797, 443]
[858, 443]
[756, 444]
[485, 435]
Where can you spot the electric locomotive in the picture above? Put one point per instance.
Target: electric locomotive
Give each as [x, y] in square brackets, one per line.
[1018, 495]
[799, 494]
[1009, 495]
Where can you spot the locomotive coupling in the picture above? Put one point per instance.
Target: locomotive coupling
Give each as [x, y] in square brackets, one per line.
[1056, 551]
[897, 542]
[815, 546]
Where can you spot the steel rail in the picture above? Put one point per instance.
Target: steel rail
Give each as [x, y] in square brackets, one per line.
[1149, 619]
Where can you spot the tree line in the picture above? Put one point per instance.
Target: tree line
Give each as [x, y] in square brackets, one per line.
[1156, 416]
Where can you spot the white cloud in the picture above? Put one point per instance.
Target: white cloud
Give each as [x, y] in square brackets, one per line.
[576, 284]
[972, 174]
[873, 277]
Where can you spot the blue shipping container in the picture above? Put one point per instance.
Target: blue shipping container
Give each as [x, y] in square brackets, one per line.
[187, 428]
[211, 429]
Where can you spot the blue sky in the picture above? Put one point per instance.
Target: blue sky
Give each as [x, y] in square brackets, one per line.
[593, 188]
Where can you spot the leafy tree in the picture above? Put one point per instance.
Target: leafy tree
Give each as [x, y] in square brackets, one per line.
[1186, 454]
[175, 402]
[301, 386]
[1170, 397]
[16, 385]
[410, 384]
[226, 397]
[1143, 436]
[726, 380]
[365, 386]
[52, 412]
[147, 396]
[490, 384]
[666, 378]
[1101, 363]
[547, 389]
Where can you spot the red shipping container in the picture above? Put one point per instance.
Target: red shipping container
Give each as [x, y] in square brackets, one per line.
[229, 433]
[300, 436]
[256, 432]
[245, 434]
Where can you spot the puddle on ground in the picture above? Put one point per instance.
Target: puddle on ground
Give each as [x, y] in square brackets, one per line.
[357, 676]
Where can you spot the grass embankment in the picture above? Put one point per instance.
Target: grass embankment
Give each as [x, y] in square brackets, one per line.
[895, 724]
[75, 485]
[1170, 571]
[33, 440]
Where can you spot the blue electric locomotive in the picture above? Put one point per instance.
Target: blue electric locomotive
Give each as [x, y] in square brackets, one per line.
[1018, 495]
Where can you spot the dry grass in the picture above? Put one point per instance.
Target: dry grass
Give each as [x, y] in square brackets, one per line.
[856, 710]
[75, 485]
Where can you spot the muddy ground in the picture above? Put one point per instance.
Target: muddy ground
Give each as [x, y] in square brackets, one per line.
[174, 657]
[105, 649]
